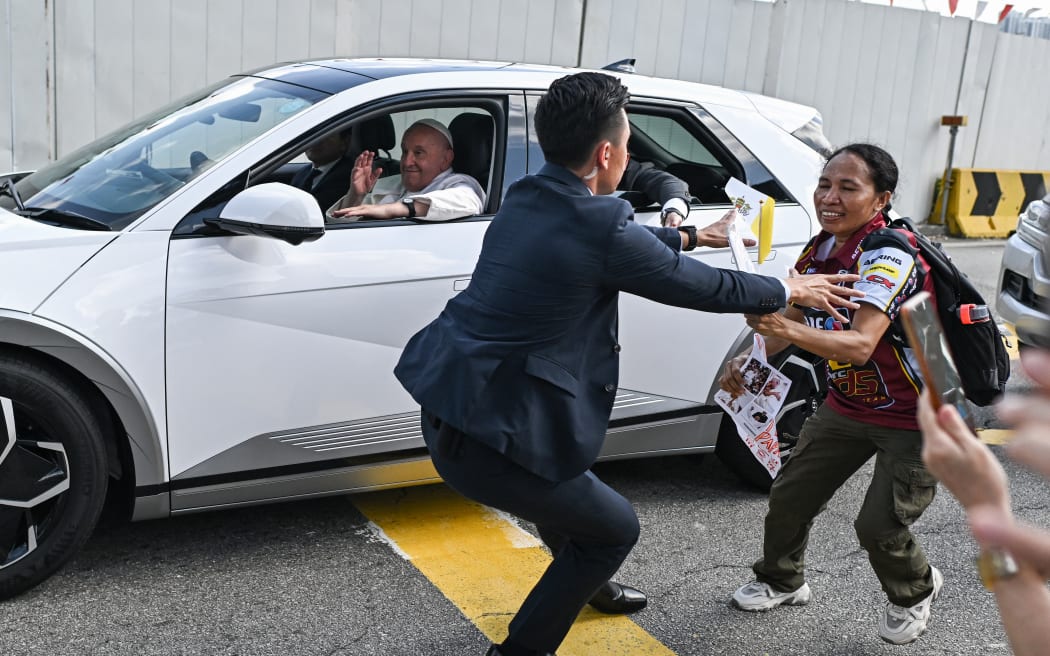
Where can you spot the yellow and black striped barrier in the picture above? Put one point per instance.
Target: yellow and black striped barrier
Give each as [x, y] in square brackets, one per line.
[986, 202]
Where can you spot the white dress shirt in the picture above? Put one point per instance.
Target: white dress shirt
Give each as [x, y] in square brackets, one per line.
[450, 195]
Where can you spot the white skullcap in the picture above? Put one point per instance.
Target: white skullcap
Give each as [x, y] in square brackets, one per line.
[435, 125]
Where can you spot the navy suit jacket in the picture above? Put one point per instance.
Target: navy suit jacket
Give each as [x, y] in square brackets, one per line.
[333, 185]
[526, 358]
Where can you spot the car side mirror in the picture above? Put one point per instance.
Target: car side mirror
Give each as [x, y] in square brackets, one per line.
[272, 210]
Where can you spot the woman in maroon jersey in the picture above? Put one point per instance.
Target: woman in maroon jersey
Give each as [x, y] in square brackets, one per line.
[870, 409]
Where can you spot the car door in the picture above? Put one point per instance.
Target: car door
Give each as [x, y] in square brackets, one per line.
[280, 357]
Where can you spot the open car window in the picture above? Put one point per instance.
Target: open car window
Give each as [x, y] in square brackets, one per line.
[478, 125]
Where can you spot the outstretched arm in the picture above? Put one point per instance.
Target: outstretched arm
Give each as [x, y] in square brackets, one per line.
[974, 476]
[661, 187]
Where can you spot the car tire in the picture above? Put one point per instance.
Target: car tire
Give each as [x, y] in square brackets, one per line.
[53, 473]
[808, 388]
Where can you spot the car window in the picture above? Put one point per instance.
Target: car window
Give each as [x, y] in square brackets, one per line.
[479, 126]
[478, 151]
[670, 135]
[673, 142]
[687, 142]
[116, 179]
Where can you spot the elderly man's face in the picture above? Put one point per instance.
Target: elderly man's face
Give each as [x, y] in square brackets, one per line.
[424, 155]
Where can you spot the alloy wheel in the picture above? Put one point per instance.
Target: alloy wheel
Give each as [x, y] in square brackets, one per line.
[34, 479]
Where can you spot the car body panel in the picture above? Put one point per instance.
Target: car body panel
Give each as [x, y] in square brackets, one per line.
[36, 258]
[116, 302]
[376, 287]
[247, 370]
[114, 382]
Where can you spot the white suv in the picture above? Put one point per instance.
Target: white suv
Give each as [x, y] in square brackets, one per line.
[180, 334]
[1024, 276]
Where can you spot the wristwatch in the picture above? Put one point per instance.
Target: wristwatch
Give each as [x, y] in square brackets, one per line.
[411, 205]
[994, 565]
[691, 232]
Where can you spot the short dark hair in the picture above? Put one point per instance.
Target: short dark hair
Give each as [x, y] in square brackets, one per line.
[880, 164]
[578, 112]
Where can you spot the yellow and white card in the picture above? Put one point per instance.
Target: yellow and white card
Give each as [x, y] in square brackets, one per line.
[754, 215]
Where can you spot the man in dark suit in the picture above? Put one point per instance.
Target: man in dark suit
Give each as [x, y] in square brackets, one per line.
[329, 173]
[658, 187]
[517, 376]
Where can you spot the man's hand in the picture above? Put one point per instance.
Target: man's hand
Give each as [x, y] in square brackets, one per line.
[823, 291]
[384, 211]
[363, 178]
[715, 235]
[671, 219]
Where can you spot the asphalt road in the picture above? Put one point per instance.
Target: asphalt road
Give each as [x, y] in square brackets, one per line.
[315, 578]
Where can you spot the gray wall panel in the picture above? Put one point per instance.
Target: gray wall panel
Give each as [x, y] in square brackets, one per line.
[7, 136]
[876, 73]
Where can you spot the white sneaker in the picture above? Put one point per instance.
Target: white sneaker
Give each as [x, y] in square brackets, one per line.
[759, 596]
[901, 625]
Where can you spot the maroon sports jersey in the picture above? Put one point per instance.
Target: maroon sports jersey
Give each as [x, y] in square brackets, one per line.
[883, 391]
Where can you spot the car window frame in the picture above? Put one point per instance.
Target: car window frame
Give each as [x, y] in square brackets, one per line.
[506, 106]
[730, 152]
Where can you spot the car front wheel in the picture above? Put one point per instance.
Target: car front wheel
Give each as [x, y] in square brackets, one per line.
[808, 388]
[52, 472]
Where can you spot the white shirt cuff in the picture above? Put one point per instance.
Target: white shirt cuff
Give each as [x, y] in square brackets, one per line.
[787, 292]
[678, 205]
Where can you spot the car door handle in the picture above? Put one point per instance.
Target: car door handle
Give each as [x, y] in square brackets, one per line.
[460, 285]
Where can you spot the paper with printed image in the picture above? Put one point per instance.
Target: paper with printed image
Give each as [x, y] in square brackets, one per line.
[755, 212]
[736, 232]
[754, 411]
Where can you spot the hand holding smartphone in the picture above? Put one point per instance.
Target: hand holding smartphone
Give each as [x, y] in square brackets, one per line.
[926, 337]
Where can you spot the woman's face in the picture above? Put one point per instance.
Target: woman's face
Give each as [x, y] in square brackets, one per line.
[845, 198]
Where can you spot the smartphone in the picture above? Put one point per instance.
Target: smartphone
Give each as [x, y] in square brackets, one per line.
[928, 344]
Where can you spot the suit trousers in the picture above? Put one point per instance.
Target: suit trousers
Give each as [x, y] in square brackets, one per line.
[830, 449]
[596, 527]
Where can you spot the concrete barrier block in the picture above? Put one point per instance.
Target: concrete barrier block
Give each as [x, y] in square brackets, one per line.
[985, 203]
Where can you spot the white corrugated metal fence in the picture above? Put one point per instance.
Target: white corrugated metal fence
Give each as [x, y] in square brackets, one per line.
[72, 71]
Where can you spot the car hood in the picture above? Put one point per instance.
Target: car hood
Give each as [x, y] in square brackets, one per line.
[36, 258]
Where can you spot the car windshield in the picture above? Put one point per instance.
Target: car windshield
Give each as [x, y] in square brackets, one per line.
[116, 179]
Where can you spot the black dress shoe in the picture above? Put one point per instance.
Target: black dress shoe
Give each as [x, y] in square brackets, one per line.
[617, 599]
[494, 651]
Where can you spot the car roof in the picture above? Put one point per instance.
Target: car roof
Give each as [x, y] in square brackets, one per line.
[335, 75]
[339, 74]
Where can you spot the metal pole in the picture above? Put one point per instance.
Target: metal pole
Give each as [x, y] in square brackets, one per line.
[946, 181]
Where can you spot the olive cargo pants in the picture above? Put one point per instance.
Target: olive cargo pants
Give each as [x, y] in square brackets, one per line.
[830, 449]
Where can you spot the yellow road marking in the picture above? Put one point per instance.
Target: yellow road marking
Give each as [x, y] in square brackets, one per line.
[486, 565]
[996, 436]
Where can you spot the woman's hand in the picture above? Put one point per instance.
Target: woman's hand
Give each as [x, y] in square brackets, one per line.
[960, 460]
[732, 379]
[1030, 415]
[771, 325]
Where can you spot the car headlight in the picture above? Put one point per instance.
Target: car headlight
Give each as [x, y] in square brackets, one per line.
[1034, 223]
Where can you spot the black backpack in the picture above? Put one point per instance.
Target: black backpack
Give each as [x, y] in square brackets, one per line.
[974, 339]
